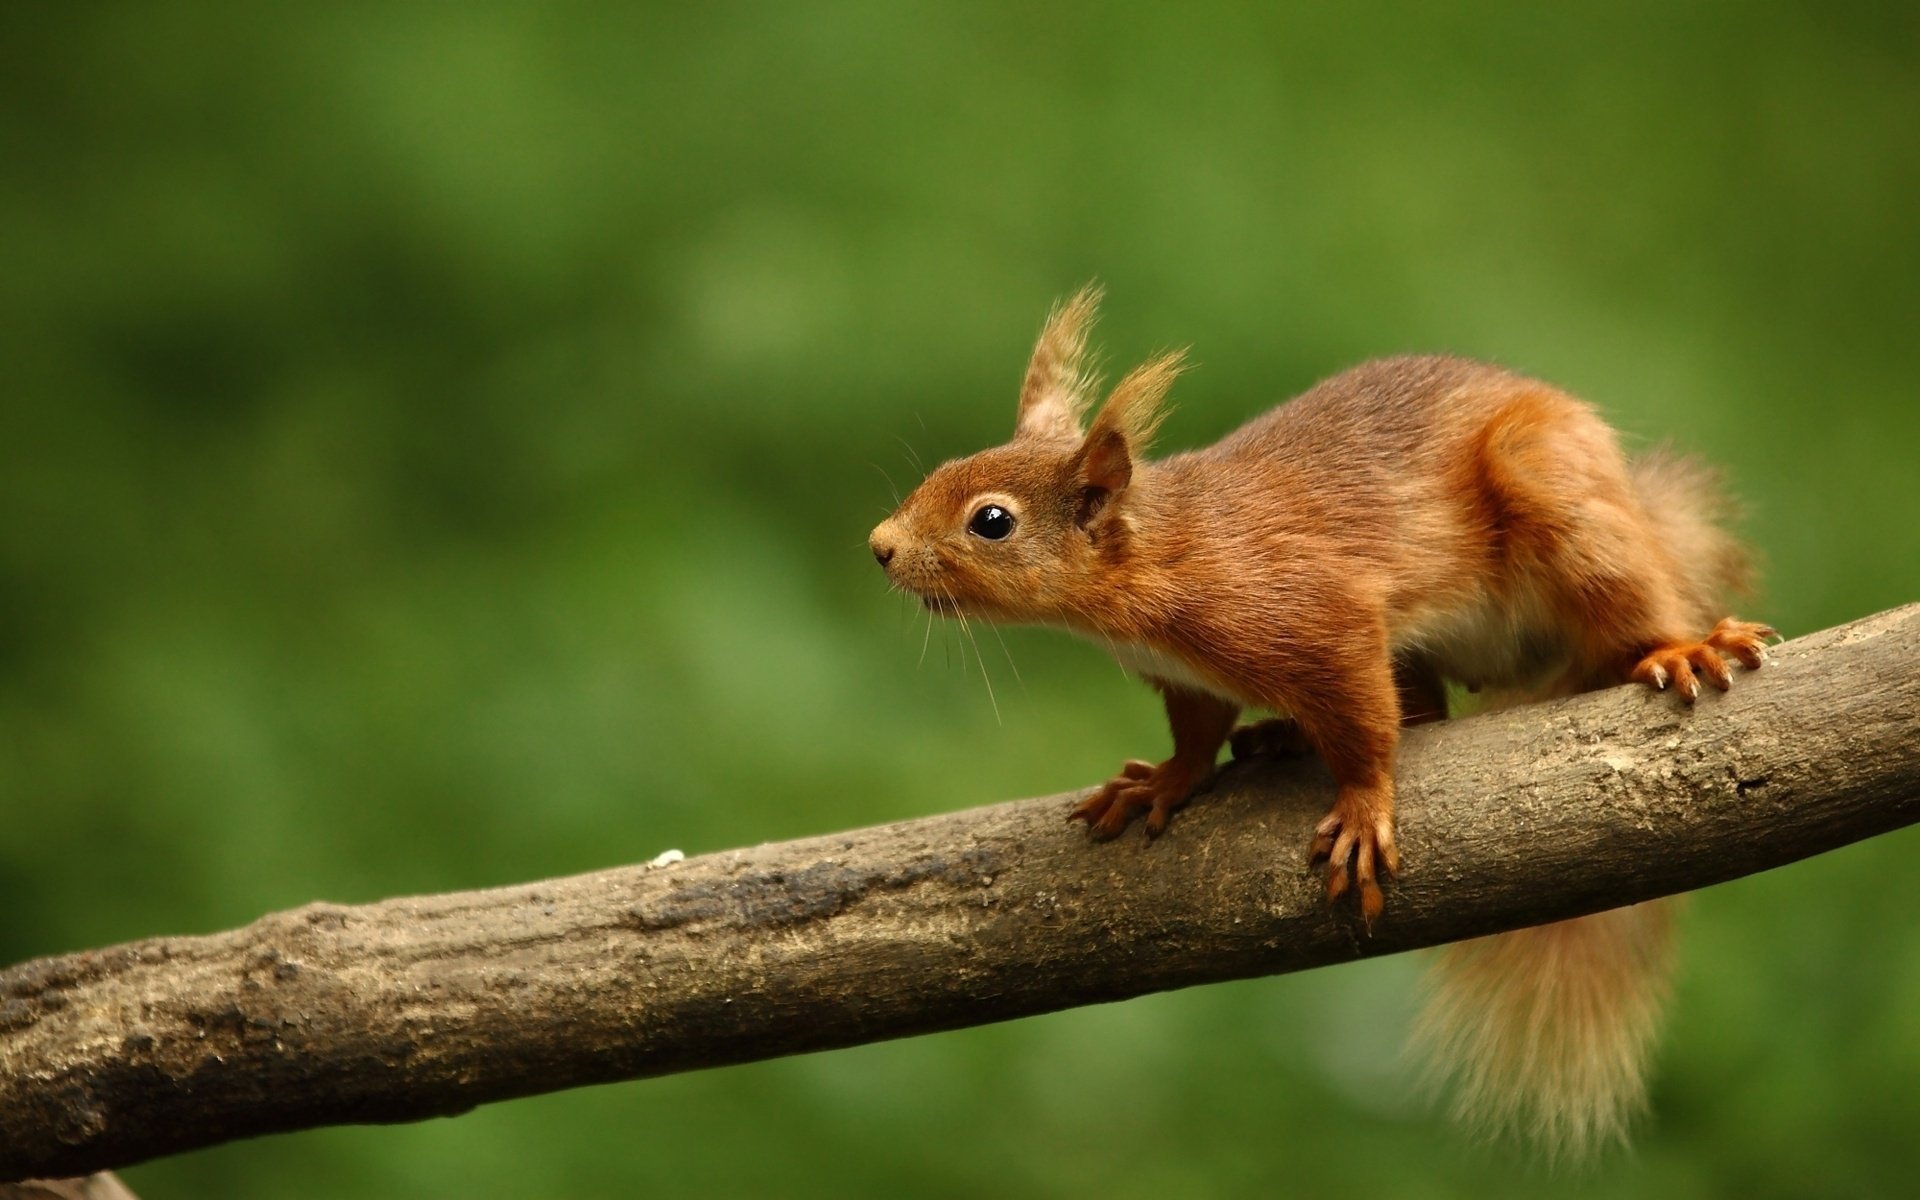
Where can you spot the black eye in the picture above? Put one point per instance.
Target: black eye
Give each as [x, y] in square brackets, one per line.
[992, 523]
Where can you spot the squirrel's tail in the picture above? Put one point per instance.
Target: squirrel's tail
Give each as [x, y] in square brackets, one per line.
[1547, 1032]
[1683, 498]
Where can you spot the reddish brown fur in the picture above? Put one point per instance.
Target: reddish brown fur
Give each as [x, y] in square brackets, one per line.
[1336, 560]
[1446, 516]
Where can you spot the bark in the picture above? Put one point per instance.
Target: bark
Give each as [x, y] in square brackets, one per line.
[426, 1006]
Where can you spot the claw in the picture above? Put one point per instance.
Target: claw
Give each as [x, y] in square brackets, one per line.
[1371, 901]
[1389, 853]
[1321, 848]
[1684, 682]
[1157, 821]
[1744, 640]
[1715, 669]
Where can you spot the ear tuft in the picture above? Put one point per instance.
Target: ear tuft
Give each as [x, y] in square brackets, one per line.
[1136, 406]
[1125, 426]
[1058, 386]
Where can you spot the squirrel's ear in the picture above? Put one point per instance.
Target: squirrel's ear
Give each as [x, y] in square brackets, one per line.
[1054, 393]
[1125, 426]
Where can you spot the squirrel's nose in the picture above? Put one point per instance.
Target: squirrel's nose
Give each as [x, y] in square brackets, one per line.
[882, 553]
[881, 542]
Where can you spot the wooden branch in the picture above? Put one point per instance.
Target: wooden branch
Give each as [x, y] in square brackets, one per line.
[426, 1006]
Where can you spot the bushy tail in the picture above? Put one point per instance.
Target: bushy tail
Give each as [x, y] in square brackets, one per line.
[1547, 1032]
[1684, 499]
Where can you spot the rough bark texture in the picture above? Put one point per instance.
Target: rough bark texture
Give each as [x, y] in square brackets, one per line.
[425, 1006]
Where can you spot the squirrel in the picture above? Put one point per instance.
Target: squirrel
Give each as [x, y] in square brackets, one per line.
[1338, 560]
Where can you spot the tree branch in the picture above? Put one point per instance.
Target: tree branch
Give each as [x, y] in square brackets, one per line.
[426, 1006]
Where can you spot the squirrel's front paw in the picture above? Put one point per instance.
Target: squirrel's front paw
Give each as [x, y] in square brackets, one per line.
[1355, 840]
[1139, 785]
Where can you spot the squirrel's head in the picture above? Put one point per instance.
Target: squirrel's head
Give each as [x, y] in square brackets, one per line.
[1032, 530]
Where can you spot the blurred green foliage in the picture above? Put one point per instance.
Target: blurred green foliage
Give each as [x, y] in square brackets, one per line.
[437, 444]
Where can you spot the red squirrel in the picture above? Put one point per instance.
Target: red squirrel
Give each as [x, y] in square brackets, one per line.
[1336, 561]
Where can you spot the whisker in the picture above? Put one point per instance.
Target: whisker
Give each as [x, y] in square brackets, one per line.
[891, 486]
[1009, 654]
[959, 622]
[966, 627]
[913, 456]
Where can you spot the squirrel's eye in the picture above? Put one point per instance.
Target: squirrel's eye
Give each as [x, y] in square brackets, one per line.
[991, 522]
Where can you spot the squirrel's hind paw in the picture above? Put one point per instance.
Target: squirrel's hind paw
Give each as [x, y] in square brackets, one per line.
[1680, 664]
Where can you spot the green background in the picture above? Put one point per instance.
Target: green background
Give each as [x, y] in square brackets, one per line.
[437, 445]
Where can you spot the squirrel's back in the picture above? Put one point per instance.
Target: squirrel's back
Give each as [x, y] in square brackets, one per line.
[1382, 411]
[1470, 502]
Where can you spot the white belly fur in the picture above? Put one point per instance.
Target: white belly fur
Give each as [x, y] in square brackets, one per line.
[1154, 663]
